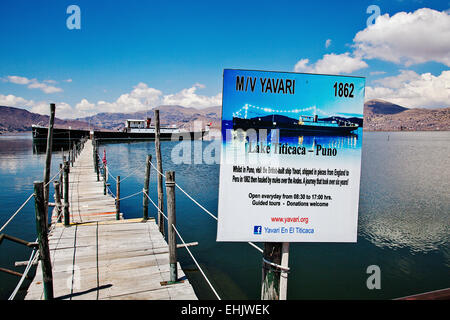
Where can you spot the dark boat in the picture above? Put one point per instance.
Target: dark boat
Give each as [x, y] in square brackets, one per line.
[135, 130]
[287, 125]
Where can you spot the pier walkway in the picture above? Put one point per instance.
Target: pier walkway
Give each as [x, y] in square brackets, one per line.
[98, 257]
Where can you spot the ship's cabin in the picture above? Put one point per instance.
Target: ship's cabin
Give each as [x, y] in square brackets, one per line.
[138, 124]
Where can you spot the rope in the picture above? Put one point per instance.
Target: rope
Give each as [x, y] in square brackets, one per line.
[283, 268]
[256, 247]
[26, 201]
[53, 178]
[202, 207]
[154, 204]
[206, 210]
[18, 210]
[198, 266]
[109, 173]
[139, 167]
[156, 169]
[31, 261]
[110, 192]
[189, 251]
[132, 195]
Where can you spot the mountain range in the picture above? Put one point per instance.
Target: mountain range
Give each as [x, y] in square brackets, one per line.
[379, 115]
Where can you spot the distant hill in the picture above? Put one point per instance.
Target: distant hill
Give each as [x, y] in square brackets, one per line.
[381, 115]
[169, 115]
[377, 106]
[16, 120]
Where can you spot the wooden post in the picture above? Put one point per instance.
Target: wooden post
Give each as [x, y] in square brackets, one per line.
[171, 217]
[97, 169]
[58, 200]
[160, 178]
[68, 156]
[66, 194]
[118, 198]
[94, 157]
[44, 250]
[48, 158]
[284, 275]
[104, 180]
[73, 154]
[61, 175]
[271, 274]
[74, 150]
[146, 186]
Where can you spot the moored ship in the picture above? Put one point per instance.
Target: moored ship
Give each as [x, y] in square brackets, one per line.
[135, 129]
[287, 125]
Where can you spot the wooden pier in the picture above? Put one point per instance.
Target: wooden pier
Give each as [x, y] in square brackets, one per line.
[98, 257]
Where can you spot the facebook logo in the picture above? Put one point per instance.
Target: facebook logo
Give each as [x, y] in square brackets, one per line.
[257, 229]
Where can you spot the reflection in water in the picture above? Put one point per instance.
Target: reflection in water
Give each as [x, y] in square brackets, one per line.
[237, 142]
[350, 141]
[418, 231]
[403, 218]
[404, 200]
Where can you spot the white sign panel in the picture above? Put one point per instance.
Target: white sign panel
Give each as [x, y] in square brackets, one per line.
[290, 157]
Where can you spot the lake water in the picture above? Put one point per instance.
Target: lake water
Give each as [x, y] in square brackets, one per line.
[403, 220]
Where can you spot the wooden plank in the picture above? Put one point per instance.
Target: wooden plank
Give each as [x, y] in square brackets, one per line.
[98, 257]
[443, 294]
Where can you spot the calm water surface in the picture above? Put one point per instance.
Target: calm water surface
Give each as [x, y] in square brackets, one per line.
[403, 220]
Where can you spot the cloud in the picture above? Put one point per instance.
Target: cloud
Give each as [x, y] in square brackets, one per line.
[141, 98]
[63, 110]
[413, 90]
[327, 43]
[68, 80]
[13, 101]
[18, 80]
[44, 87]
[332, 64]
[377, 73]
[407, 38]
[189, 98]
[34, 84]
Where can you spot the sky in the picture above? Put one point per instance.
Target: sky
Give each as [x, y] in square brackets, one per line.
[127, 56]
[309, 95]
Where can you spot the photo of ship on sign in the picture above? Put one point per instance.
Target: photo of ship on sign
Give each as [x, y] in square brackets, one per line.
[289, 125]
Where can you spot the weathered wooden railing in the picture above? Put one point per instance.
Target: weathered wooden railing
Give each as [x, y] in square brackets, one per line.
[41, 196]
